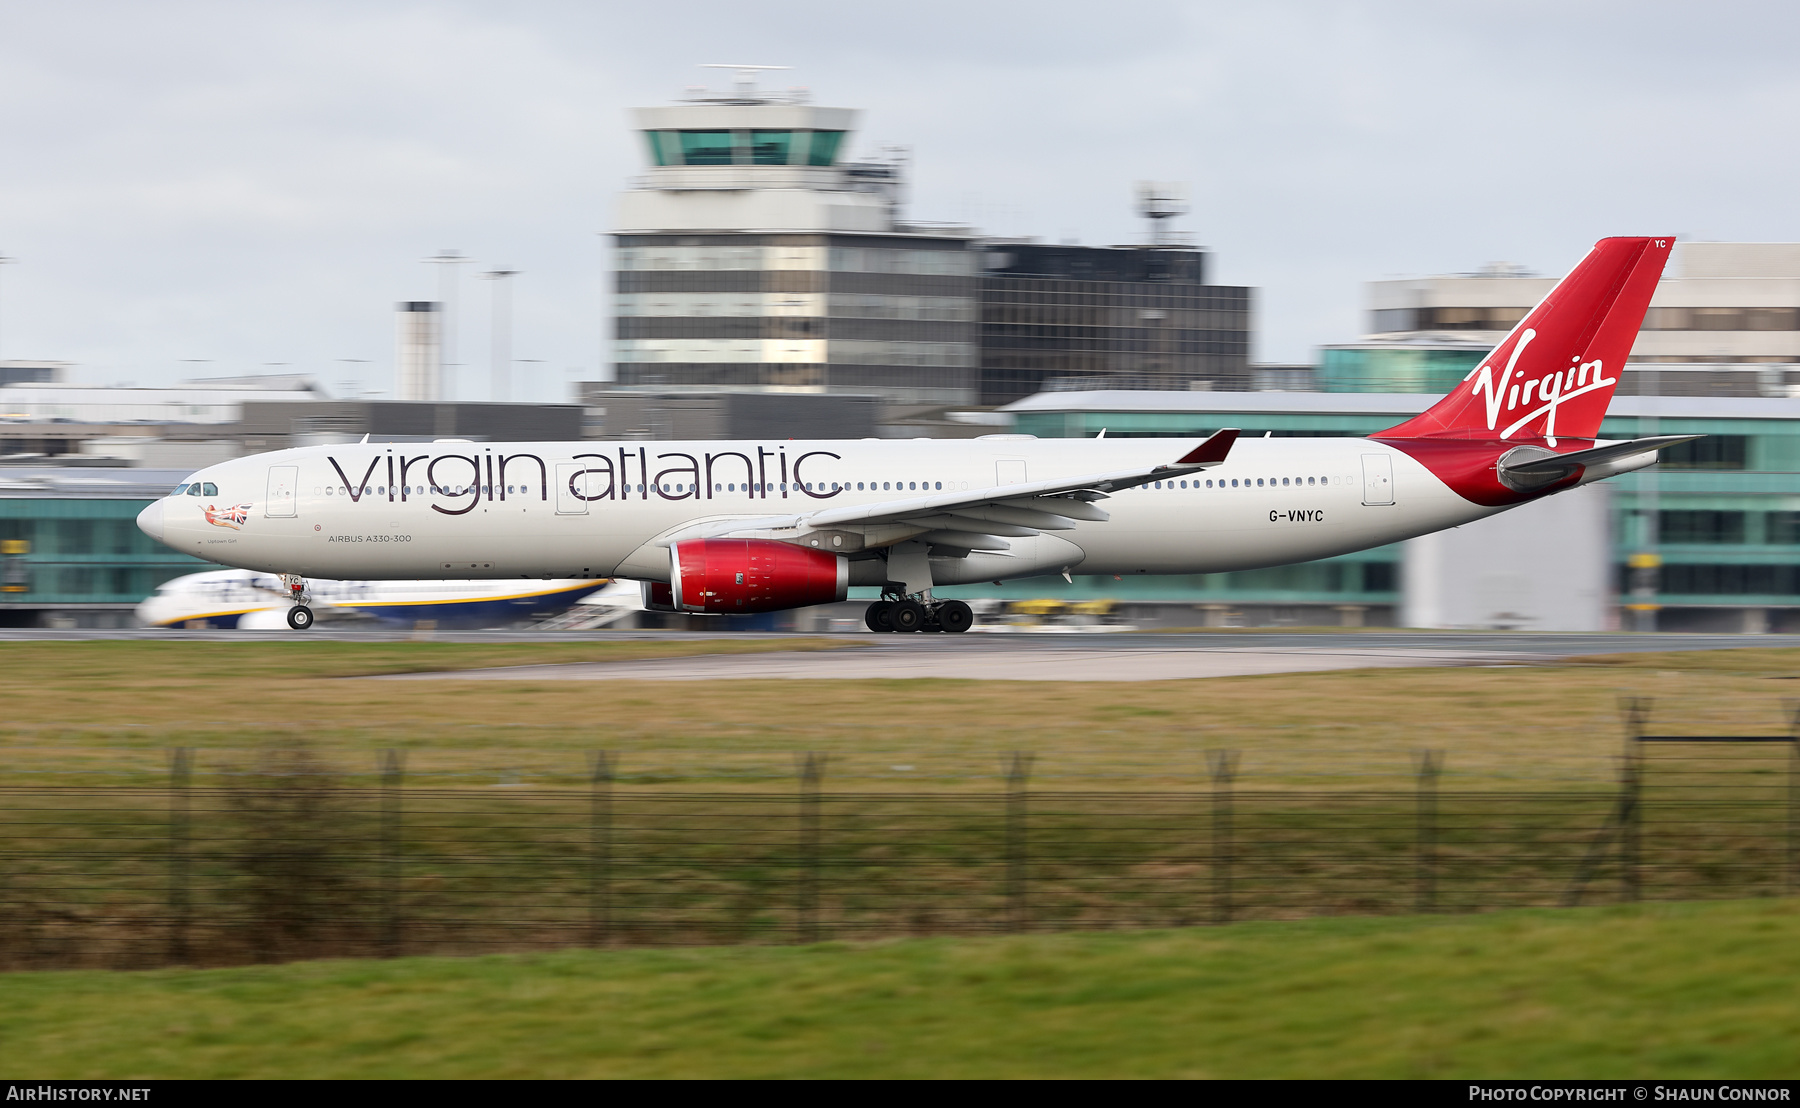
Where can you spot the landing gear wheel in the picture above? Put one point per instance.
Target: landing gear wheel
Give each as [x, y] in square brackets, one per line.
[955, 617]
[300, 617]
[908, 615]
[880, 616]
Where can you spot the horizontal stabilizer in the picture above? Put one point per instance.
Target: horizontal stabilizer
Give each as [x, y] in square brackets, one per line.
[1598, 454]
[1533, 467]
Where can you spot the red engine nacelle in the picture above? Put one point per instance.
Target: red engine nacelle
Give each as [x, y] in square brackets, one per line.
[753, 575]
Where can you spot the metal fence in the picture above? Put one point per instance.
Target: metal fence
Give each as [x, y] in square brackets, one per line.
[291, 860]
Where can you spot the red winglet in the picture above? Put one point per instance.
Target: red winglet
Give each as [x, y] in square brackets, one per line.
[1213, 450]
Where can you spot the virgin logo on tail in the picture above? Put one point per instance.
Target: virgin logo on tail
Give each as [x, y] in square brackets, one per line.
[1562, 360]
[1553, 389]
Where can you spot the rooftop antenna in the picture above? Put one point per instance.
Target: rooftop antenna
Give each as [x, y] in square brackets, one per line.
[1159, 202]
[746, 76]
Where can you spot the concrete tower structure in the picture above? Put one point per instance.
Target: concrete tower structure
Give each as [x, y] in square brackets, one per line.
[418, 353]
[752, 255]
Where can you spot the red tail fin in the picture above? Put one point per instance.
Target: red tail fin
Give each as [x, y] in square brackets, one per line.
[1556, 372]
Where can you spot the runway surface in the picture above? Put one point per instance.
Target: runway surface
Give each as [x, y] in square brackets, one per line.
[1129, 656]
[1125, 657]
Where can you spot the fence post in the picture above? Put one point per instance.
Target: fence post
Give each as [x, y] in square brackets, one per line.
[1793, 798]
[600, 827]
[180, 773]
[1430, 765]
[392, 763]
[1018, 907]
[812, 769]
[1637, 716]
[1223, 764]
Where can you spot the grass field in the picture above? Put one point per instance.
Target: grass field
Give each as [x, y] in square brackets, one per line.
[1689, 991]
[108, 710]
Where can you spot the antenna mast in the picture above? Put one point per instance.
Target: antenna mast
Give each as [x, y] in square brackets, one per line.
[1159, 202]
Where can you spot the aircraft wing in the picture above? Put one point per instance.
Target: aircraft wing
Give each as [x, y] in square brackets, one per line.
[979, 519]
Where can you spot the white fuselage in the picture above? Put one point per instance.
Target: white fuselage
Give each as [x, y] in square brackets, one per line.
[585, 510]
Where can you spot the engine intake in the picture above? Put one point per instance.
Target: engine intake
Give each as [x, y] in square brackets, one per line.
[753, 575]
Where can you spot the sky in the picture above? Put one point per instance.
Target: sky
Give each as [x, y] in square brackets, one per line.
[207, 188]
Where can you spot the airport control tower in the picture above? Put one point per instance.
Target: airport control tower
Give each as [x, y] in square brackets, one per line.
[753, 254]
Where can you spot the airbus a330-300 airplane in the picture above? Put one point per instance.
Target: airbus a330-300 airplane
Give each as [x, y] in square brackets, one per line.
[727, 527]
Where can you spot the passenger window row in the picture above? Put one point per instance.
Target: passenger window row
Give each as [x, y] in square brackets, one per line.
[1271, 482]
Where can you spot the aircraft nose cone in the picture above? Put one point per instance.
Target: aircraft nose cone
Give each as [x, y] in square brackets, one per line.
[150, 520]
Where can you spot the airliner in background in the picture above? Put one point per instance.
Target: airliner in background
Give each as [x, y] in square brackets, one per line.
[726, 527]
[246, 600]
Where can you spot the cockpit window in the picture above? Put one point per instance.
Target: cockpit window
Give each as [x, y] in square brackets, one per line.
[194, 489]
[211, 489]
[180, 490]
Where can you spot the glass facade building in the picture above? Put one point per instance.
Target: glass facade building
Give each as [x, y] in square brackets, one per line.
[1435, 367]
[70, 549]
[1141, 317]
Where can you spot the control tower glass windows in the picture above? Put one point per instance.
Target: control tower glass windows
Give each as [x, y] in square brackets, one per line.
[706, 147]
[770, 147]
[665, 147]
[824, 147]
[802, 147]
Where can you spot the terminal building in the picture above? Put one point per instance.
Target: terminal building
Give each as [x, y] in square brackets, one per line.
[71, 553]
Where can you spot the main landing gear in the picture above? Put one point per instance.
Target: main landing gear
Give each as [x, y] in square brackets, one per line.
[300, 616]
[908, 614]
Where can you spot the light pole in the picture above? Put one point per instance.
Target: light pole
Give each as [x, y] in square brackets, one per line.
[447, 260]
[355, 387]
[501, 333]
[5, 261]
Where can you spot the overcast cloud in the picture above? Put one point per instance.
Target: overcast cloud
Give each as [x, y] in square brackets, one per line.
[198, 188]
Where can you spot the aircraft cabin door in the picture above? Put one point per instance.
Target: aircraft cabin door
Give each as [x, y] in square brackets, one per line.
[283, 485]
[1009, 471]
[1378, 479]
[571, 489]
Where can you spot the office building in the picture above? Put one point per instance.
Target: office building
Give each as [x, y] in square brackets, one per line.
[1725, 321]
[1108, 317]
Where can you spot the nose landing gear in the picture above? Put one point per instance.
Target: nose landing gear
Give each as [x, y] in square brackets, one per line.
[300, 616]
[908, 614]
